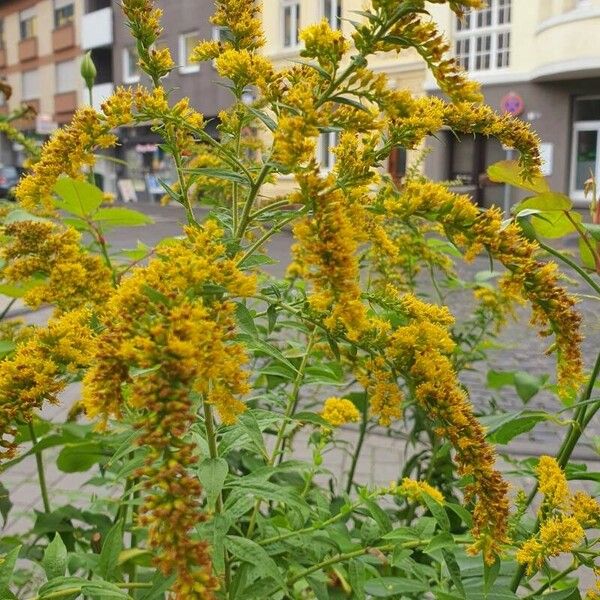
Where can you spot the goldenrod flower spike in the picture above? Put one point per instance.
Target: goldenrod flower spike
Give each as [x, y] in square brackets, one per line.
[339, 411]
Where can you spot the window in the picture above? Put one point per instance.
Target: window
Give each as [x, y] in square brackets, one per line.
[585, 161]
[221, 33]
[64, 12]
[30, 85]
[187, 42]
[28, 23]
[332, 11]
[290, 23]
[66, 76]
[482, 37]
[131, 72]
[327, 141]
[1, 33]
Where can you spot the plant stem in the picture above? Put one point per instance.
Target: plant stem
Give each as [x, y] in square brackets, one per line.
[279, 447]
[7, 308]
[552, 581]
[77, 590]
[245, 218]
[560, 256]
[359, 445]
[40, 470]
[211, 438]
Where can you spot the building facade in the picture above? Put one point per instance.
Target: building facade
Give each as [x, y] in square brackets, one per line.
[283, 20]
[40, 48]
[538, 60]
[185, 22]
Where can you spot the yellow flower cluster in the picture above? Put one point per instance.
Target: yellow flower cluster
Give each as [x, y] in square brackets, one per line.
[244, 68]
[552, 483]
[324, 44]
[38, 370]
[50, 261]
[527, 277]
[385, 397]
[557, 535]
[564, 516]
[168, 336]
[416, 489]
[339, 411]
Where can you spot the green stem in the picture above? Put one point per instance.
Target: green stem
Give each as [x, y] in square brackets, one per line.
[552, 581]
[571, 264]
[213, 450]
[245, 218]
[40, 469]
[268, 207]
[359, 445]
[279, 447]
[8, 307]
[77, 590]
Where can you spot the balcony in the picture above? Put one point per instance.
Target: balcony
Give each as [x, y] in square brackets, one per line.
[97, 29]
[563, 45]
[27, 122]
[101, 92]
[63, 37]
[28, 49]
[64, 106]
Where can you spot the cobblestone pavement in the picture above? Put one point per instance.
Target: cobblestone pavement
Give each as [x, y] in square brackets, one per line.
[517, 348]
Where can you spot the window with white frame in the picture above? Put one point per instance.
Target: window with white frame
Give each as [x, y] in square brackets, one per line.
[131, 71]
[327, 142]
[290, 23]
[585, 160]
[332, 11]
[187, 43]
[28, 23]
[66, 76]
[64, 12]
[220, 33]
[30, 85]
[482, 37]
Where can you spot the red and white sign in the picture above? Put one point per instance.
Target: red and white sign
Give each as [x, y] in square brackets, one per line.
[512, 104]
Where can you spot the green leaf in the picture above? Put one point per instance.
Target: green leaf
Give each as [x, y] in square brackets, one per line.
[55, 558]
[356, 578]
[160, 584]
[555, 218]
[7, 566]
[593, 229]
[245, 320]
[264, 117]
[309, 417]
[77, 197]
[454, 570]
[250, 425]
[509, 171]
[437, 510]
[587, 258]
[121, 217]
[527, 385]
[77, 458]
[248, 551]
[62, 584]
[212, 473]
[103, 590]
[109, 555]
[18, 215]
[386, 587]
[5, 503]
[571, 593]
[490, 574]
[502, 429]
[443, 540]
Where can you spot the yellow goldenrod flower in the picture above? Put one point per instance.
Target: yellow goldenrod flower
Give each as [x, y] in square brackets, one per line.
[557, 535]
[553, 483]
[585, 509]
[339, 411]
[416, 489]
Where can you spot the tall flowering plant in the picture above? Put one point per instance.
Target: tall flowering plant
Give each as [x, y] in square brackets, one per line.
[199, 372]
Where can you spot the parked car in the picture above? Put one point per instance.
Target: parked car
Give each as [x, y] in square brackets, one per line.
[9, 177]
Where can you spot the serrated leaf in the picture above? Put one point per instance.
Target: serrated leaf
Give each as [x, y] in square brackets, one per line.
[54, 561]
[245, 320]
[511, 425]
[443, 540]
[454, 571]
[212, 473]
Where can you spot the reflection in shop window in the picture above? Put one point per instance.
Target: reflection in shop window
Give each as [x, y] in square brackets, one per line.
[482, 37]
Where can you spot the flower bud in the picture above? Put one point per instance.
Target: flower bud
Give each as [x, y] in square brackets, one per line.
[88, 69]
